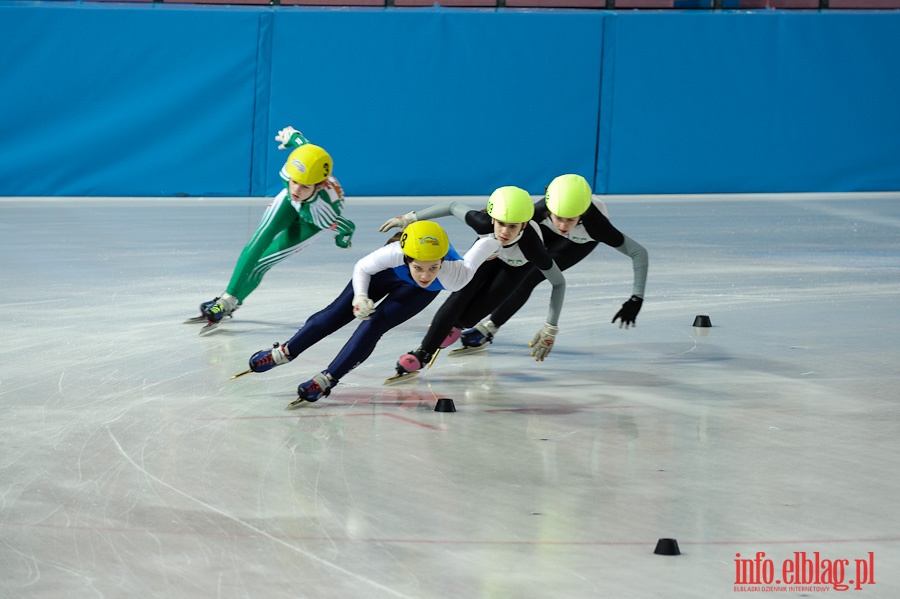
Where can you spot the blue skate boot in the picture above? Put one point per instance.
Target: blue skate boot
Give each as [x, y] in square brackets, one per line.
[267, 359]
[315, 389]
[478, 336]
[219, 308]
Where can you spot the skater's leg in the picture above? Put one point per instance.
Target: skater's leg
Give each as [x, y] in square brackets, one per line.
[276, 219]
[297, 236]
[323, 323]
[491, 295]
[339, 312]
[401, 304]
[565, 253]
[448, 314]
[320, 325]
[517, 298]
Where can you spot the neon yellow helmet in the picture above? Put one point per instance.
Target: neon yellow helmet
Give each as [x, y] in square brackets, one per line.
[510, 205]
[568, 196]
[424, 240]
[309, 164]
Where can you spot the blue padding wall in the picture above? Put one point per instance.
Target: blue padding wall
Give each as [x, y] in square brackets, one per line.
[441, 102]
[700, 102]
[122, 100]
[154, 99]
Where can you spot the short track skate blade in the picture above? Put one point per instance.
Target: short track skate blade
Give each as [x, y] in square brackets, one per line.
[210, 326]
[195, 320]
[296, 402]
[240, 374]
[462, 351]
[398, 378]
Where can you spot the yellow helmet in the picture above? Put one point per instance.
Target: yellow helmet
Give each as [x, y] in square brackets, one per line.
[424, 240]
[309, 164]
[568, 196]
[510, 205]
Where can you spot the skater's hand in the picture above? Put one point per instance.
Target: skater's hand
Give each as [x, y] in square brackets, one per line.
[344, 229]
[543, 342]
[342, 240]
[399, 222]
[288, 137]
[628, 313]
[362, 306]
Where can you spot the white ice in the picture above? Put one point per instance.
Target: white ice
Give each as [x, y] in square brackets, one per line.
[132, 466]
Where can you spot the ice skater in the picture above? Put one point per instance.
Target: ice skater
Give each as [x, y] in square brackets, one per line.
[405, 276]
[574, 223]
[508, 220]
[311, 203]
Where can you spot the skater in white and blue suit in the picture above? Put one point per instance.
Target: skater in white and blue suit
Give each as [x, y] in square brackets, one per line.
[405, 276]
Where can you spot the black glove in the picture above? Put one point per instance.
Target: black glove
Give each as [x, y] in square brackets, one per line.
[628, 313]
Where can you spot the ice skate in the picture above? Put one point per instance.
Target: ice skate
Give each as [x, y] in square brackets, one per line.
[267, 359]
[202, 317]
[476, 339]
[218, 310]
[409, 365]
[314, 389]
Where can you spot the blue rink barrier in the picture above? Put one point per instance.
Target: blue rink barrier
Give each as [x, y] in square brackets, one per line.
[154, 99]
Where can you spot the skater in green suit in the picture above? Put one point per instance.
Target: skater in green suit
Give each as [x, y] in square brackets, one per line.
[311, 202]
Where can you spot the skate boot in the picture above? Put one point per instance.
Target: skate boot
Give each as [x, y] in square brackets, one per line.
[267, 359]
[316, 388]
[207, 305]
[478, 336]
[220, 308]
[413, 361]
[455, 332]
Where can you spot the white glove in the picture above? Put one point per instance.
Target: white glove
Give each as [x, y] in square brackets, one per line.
[287, 137]
[543, 342]
[362, 306]
[399, 222]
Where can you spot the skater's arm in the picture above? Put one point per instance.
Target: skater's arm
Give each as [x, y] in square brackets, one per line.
[457, 209]
[598, 227]
[640, 262]
[344, 229]
[289, 138]
[557, 293]
[383, 258]
[456, 274]
[533, 249]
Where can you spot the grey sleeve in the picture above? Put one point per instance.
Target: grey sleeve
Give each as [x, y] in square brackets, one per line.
[557, 294]
[640, 261]
[457, 209]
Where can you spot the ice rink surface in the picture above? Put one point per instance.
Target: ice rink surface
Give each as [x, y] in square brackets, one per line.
[132, 466]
